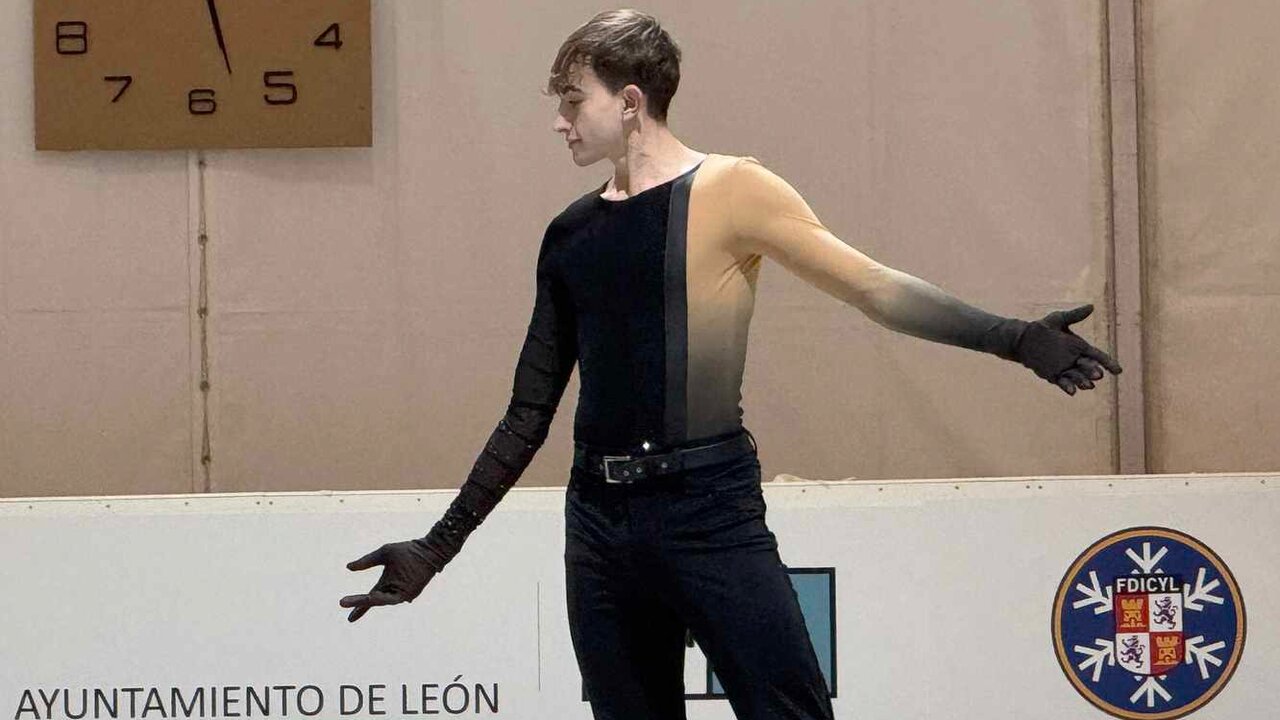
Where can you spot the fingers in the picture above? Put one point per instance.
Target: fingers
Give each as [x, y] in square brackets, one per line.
[384, 593]
[1089, 368]
[1060, 319]
[1075, 315]
[375, 597]
[1103, 358]
[359, 605]
[372, 559]
[362, 603]
[1078, 379]
[1067, 386]
[354, 601]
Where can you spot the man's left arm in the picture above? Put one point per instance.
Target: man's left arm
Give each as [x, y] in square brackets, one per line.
[771, 219]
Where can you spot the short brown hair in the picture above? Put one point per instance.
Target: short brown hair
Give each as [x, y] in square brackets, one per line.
[623, 47]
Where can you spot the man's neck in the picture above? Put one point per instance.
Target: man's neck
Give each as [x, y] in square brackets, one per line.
[652, 159]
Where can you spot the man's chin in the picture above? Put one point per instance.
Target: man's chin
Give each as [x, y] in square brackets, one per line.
[583, 160]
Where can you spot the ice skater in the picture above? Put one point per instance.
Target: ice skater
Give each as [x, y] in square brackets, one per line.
[647, 283]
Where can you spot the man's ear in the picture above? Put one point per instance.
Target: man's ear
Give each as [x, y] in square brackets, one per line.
[632, 99]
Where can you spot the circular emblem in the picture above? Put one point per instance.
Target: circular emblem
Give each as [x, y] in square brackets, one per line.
[1148, 623]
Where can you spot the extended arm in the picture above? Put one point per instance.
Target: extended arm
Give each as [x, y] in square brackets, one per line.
[771, 219]
[542, 372]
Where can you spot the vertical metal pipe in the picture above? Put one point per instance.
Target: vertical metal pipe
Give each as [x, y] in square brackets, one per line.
[1124, 113]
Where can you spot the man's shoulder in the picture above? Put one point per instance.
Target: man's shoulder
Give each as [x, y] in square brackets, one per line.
[731, 161]
[750, 177]
[575, 214]
[737, 177]
[728, 171]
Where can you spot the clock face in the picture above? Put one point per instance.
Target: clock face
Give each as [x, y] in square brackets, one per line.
[152, 74]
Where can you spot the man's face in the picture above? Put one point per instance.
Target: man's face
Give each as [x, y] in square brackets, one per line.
[591, 118]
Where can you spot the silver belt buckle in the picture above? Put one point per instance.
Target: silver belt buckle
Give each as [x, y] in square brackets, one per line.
[607, 477]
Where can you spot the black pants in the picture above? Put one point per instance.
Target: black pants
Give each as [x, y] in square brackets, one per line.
[645, 561]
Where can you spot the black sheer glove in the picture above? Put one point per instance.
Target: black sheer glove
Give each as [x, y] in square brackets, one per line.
[407, 567]
[546, 361]
[1049, 348]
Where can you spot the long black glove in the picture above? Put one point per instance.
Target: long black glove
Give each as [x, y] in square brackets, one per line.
[408, 566]
[1049, 348]
[542, 371]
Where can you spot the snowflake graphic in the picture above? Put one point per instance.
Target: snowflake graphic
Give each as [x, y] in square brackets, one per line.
[1204, 606]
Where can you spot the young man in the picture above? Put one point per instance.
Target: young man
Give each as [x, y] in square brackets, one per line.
[648, 284]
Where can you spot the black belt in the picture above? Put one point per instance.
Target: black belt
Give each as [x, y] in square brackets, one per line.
[625, 469]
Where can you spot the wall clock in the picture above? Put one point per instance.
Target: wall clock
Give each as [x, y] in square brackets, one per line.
[160, 74]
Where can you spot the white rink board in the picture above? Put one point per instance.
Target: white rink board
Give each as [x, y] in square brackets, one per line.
[944, 594]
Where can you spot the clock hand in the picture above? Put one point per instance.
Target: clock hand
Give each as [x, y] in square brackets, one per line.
[217, 30]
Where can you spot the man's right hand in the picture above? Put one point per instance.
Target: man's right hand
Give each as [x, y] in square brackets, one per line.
[405, 572]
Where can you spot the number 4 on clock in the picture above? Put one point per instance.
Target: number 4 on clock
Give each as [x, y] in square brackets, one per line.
[325, 40]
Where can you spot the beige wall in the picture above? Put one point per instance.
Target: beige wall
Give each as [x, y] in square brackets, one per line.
[1211, 153]
[367, 305]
